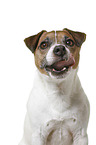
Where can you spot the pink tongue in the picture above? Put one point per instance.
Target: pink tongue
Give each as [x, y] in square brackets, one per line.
[61, 64]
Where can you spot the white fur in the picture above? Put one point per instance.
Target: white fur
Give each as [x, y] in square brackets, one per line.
[55, 37]
[56, 105]
[50, 56]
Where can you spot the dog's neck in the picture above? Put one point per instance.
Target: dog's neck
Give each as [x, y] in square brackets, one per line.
[64, 85]
[60, 90]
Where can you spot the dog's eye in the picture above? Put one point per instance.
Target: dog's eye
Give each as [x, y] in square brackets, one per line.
[43, 45]
[69, 42]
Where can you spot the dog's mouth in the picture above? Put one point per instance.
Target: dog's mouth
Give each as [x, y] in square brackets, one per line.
[61, 66]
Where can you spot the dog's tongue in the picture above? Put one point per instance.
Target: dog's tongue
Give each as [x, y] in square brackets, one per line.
[61, 64]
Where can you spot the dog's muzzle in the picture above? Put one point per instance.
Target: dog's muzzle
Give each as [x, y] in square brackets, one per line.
[63, 61]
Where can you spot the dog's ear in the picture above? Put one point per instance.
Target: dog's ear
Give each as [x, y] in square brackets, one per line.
[32, 41]
[79, 37]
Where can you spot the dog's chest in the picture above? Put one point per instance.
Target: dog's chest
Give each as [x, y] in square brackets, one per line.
[60, 130]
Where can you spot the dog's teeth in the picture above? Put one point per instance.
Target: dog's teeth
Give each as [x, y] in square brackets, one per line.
[59, 70]
[64, 68]
[54, 69]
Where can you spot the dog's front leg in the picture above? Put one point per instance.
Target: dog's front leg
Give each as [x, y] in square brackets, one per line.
[40, 137]
[81, 140]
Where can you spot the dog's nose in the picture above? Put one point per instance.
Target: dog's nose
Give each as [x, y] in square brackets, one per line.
[59, 50]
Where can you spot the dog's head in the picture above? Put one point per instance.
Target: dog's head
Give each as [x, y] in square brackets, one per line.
[56, 52]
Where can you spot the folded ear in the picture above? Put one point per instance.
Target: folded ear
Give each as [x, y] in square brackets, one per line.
[32, 41]
[79, 37]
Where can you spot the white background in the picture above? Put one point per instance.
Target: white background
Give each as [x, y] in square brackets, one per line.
[22, 18]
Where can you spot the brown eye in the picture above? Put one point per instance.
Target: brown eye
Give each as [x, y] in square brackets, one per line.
[43, 45]
[69, 42]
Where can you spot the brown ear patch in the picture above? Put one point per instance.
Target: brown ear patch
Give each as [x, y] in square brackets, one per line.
[79, 37]
[32, 41]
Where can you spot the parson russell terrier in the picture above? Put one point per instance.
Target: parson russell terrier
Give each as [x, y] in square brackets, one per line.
[57, 109]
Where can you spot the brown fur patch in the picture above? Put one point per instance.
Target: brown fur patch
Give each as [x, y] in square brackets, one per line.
[78, 38]
[32, 41]
[75, 50]
[41, 54]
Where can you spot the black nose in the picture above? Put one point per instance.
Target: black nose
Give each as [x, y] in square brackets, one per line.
[59, 50]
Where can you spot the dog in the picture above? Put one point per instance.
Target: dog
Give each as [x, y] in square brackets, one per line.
[58, 108]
